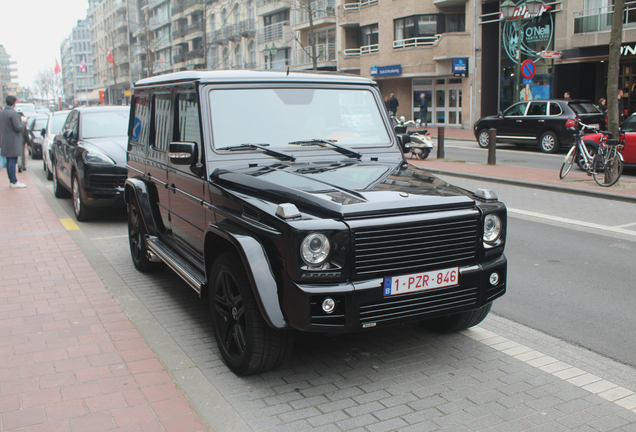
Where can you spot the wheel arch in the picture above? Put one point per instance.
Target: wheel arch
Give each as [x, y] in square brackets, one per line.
[137, 190]
[220, 238]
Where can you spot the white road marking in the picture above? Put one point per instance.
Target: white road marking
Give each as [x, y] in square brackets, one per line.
[617, 229]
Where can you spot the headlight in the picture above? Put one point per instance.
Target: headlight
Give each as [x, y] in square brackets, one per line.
[314, 249]
[492, 228]
[97, 158]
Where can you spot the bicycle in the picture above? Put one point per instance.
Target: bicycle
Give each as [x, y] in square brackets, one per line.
[606, 166]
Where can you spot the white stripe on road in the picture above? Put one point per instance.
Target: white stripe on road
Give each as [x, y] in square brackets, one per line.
[617, 230]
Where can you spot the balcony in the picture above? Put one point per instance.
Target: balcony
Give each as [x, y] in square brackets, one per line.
[153, 3]
[325, 52]
[120, 21]
[179, 33]
[218, 36]
[178, 58]
[194, 30]
[416, 42]
[274, 32]
[120, 40]
[230, 32]
[247, 28]
[356, 6]
[159, 20]
[367, 49]
[194, 54]
[321, 9]
[177, 9]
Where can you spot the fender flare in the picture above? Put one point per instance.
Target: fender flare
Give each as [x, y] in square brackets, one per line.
[138, 190]
[258, 268]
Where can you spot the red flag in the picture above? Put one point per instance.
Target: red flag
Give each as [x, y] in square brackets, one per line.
[82, 65]
[109, 56]
[57, 69]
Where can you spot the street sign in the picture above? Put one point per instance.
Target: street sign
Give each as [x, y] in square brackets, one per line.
[528, 69]
[550, 54]
[527, 80]
[127, 92]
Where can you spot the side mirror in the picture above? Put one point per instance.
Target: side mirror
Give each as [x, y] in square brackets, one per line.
[68, 135]
[43, 132]
[183, 153]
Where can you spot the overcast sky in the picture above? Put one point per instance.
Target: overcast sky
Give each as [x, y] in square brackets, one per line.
[32, 30]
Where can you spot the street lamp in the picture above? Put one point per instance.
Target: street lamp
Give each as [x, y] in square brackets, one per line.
[270, 54]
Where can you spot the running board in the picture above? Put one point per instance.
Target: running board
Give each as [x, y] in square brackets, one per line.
[187, 271]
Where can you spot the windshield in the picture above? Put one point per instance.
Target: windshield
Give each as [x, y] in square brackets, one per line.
[25, 107]
[104, 124]
[57, 121]
[280, 116]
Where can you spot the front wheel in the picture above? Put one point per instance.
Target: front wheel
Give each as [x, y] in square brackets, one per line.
[567, 163]
[82, 212]
[457, 322]
[58, 189]
[248, 345]
[483, 138]
[607, 174]
[549, 143]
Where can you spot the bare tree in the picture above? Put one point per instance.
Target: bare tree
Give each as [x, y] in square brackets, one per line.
[47, 83]
[614, 63]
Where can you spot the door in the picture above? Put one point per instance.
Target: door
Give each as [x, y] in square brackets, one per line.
[535, 120]
[187, 214]
[510, 126]
[66, 148]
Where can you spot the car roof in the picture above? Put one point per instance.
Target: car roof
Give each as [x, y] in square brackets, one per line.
[56, 113]
[103, 108]
[252, 76]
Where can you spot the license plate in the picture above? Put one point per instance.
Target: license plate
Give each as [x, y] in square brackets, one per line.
[421, 281]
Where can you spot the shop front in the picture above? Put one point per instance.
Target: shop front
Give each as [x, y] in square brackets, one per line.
[444, 97]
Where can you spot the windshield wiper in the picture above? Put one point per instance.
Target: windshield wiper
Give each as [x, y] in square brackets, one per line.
[321, 142]
[261, 146]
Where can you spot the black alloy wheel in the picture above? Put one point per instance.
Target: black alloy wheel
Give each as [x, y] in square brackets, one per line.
[137, 240]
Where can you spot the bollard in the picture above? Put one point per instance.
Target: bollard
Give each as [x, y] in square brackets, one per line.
[492, 142]
[440, 142]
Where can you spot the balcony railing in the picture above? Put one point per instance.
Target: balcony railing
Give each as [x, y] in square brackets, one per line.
[272, 32]
[178, 58]
[195, 27]
[357, 6]
[416, 42]
[319, 9]
[351, 52]
[180, 32]
[194, 54]
[325, 53]
[247, 27]
[600, 19]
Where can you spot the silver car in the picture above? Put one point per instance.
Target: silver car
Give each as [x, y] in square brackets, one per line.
[56, 122]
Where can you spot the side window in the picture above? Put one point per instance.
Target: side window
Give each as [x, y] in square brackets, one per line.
[538, 109]
[188, 120]
[141, 120]
[162, 121]
[555, 109]
[71, 122]
[516, 110]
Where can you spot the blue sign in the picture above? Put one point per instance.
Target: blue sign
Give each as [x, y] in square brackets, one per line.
[527, 80]
[460, 66]
[386, 70]
[136, 129]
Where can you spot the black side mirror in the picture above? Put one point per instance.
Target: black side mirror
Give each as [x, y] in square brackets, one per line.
[43, 132]
[68, 135]
[183, 153]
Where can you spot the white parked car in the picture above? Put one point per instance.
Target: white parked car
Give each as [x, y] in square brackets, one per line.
[56, 122]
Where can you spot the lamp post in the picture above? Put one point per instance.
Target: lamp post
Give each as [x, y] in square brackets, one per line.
[516, 14]
[270, 54]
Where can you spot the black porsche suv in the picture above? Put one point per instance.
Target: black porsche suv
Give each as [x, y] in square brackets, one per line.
[303, 216]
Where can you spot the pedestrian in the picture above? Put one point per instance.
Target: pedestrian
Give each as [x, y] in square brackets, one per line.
[423, 109]
[621, 110]
[393, 104]
[566, 95]
[11, 143]
[602, 105]
[387, 104]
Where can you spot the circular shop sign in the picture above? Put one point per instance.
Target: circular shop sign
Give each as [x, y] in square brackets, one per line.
[528, 69]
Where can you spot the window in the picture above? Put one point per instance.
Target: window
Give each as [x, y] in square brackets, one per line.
[188, 120]
[141, 120]
[416, 26]
[516, 110]
[162, 124]
[369, 35]
[455, 22]
[538, 109]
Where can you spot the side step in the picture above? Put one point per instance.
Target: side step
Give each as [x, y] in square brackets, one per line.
[192, 275]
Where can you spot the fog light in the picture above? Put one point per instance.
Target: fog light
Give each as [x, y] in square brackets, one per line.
[328, 305]
[494, 279]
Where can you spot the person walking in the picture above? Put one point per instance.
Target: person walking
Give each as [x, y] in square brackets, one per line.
[387, 105]
[602, 105]
[621, 110]
[566, 95]
[11, 127]
[393, 104]
[423, 109]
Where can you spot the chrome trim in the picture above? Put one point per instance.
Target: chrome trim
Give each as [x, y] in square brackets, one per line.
[515, 137]
[188, 276]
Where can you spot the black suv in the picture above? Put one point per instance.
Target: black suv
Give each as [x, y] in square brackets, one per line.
[548, 123]
[268, 197]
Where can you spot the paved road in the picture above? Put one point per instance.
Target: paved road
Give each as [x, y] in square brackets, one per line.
[501, 376]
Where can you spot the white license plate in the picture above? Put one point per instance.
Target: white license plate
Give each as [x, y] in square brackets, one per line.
[421, 281]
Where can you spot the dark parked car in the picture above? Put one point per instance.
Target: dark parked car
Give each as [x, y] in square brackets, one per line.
[35, 124]
[89, 158]
[548, 123]
[301, 219]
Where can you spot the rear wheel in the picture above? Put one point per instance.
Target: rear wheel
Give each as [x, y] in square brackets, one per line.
[549, 142]
[483, 138]
[607, 174]
[424, 154]
[137, 239]
[248, 345]
[456, 322]
[567, 163]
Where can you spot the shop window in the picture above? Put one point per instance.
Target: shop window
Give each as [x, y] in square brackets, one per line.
[440, 98]
[440, 81]
[454, 80]
[422, 82]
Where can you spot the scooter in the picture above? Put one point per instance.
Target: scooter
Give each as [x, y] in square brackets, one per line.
[421, 143]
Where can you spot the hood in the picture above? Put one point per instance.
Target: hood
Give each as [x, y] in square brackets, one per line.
[350, 189]
[113, 147]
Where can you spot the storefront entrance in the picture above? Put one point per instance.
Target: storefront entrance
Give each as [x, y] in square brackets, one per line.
[444, 96]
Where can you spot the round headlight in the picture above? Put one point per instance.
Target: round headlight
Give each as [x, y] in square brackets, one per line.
[492, 228]
[314, 249]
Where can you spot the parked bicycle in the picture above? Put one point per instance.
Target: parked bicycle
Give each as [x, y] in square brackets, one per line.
[605, 165]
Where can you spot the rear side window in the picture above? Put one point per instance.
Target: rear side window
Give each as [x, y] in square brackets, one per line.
[538, 109]
[163, 124]
[555, 109]
[141, 120]
[584, 108]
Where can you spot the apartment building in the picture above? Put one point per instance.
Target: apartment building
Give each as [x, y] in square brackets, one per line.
[7, 75]
[77, 66]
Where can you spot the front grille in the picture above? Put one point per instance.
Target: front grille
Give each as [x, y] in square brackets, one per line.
[397, 250]
[106, 181]
[408, 306]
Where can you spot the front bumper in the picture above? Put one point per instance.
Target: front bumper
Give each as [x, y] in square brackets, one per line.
[361, 305]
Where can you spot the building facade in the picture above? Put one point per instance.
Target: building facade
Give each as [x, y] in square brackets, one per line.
[77, 66]
[7, 75]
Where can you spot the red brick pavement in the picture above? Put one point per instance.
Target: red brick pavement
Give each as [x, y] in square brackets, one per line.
[70, 358]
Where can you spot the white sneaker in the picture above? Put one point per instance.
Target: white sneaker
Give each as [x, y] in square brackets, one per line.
[18, 185]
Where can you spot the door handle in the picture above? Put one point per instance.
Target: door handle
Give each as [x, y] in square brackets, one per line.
[519, 121]
[541, 121]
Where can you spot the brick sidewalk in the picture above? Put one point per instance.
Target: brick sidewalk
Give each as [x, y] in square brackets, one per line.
[70, 359]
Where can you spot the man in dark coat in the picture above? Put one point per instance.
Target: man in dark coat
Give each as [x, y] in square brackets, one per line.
[11, 139]
[393, 104]
[423, 109]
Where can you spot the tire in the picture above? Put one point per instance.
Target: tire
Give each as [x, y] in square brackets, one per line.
[137, 240]
[424, 154]
[83, 213]
[43, 165]
[610, 172]
[248, 345]
[567, 163]
[483, 138]
[58, 189]
[580, 160]
[457, 322]
[549, 143]
[49, 174]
